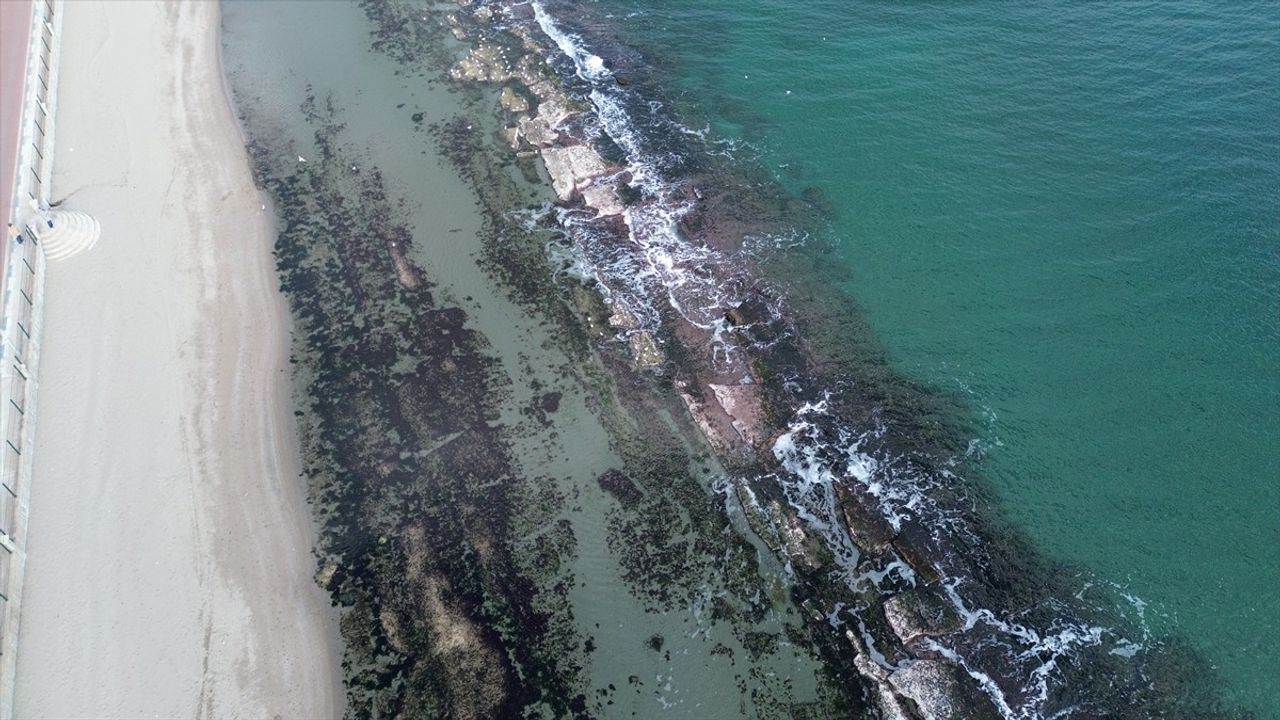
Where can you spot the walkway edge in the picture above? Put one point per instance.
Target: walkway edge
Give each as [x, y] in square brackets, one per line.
[22, 326]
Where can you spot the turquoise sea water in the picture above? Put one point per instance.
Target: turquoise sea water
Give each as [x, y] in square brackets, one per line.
[1068, 215]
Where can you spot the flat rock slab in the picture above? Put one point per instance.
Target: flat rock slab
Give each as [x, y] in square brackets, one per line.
[742, 404]
[572, 166]
[603, 199]
[485, 63]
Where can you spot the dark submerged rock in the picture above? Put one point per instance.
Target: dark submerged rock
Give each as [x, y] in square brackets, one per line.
[620, 487]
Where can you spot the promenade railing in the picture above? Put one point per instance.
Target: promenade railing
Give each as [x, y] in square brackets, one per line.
[22, 306]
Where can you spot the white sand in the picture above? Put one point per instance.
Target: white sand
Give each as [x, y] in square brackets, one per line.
[169, 571]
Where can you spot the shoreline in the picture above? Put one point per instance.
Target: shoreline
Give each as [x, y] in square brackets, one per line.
[167, 444]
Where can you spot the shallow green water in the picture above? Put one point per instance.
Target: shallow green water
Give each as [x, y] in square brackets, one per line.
[1068, 214]
[643, 658]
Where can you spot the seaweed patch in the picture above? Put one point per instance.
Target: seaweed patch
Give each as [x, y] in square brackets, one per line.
[449, 603]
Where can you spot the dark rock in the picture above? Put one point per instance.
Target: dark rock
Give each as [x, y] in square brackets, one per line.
[550, 402]
[620, 487]
[867, 527]
[921, 611]
[925, 570]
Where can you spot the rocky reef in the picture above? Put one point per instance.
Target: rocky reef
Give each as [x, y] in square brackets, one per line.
[421, 506]
[928, 619]
[726, 400]
[919, 608]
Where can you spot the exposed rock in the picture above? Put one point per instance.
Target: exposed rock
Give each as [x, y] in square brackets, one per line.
[799, 544]
[603, 199]
[510, 136]
[811, 609]
[748, 312]
[925, 570]
[881, 692]
[867, 527]
[406, 273]
[485, 63]
[570, 167]
[537, 132]
[714, 435]
[645, 350]
[532, 68]
[554, 107]
[939, 693]
[484, 13]
[622, 317]
[324, 577]
[781, 530]
[888, 704]
[717, 426]
[882, 695]
[513, 101]
[757, 517]
[865, 665]
[928, 683]
[919, 612]
[745, 410]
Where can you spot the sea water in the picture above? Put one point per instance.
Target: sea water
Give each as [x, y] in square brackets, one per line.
[1068, 216]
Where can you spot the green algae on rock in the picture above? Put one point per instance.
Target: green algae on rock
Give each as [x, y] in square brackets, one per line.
[446, 606]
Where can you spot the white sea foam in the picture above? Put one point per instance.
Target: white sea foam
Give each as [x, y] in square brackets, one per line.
[662, 265]
[590, 66]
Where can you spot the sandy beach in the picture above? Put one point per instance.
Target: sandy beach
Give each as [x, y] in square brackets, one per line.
[170, 567]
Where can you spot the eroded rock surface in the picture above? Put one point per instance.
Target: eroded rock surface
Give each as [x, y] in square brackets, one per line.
[572, 167]
[485, 63]
[742, 404]
[934, 687]
[512, 101]
[645, 350]
[919, 612]
[603, 199]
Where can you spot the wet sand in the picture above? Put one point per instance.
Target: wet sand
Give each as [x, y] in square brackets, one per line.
[170, 567]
